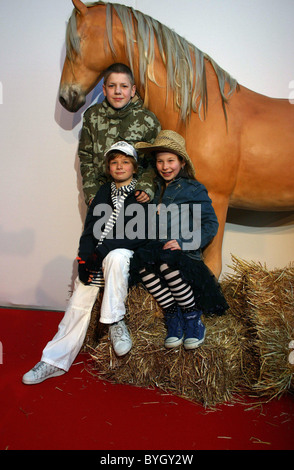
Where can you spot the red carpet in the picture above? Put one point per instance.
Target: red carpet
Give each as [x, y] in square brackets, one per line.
[77, 411]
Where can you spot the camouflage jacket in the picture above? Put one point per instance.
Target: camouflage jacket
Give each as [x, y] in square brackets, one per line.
[102, 127]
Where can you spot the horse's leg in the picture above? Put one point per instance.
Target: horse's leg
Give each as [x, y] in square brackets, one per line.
[213, 252]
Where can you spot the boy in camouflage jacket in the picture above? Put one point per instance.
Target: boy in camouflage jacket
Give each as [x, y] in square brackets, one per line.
[121, 116]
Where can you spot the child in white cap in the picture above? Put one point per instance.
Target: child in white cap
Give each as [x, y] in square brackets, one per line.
[103, 261]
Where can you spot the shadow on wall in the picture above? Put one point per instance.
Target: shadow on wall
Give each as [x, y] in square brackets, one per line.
[249, 218]
[61, 267]
[69, 121]
[82, 207]
[53, 289]
[58, 269]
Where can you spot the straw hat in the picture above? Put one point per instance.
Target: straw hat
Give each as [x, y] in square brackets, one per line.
[169, 141]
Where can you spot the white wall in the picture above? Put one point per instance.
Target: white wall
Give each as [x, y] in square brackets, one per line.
[41, 204]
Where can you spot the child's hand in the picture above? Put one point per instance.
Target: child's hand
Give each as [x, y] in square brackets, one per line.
[93, 262]
[141, 196]
[172, 245]
[84, 275]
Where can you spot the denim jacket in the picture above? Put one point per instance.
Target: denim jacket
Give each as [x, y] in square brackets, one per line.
[185, 213]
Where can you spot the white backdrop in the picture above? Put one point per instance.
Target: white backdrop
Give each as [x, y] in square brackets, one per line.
[41, 205]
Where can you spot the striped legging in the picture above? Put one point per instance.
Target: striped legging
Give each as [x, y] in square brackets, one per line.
[177, 291]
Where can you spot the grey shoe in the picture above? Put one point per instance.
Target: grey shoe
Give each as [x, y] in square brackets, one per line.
[120, 338]
[41, 372]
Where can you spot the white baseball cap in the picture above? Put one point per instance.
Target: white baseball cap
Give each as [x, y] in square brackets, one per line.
[123, 147]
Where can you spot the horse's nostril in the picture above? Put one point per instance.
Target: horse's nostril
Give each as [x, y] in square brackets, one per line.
[62, 101]
[72, 100]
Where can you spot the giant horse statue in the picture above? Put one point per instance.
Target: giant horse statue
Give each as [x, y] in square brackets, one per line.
[241, 142]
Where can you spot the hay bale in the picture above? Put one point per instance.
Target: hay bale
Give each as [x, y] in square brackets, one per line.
[245, 351]
[208, 375]
[268, 314]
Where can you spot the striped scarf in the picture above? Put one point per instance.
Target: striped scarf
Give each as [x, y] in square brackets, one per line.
[118, 196]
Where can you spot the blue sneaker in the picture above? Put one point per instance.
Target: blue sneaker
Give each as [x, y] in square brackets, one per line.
[175, 329]
[194, 330]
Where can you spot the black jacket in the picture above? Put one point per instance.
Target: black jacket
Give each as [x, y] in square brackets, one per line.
[130, 230]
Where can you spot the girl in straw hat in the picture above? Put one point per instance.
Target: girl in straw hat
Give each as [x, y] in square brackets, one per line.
[170, 265]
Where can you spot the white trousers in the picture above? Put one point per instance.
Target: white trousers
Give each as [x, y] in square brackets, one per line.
[66, 344]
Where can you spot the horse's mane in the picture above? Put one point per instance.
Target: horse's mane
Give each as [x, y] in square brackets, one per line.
[184, 62]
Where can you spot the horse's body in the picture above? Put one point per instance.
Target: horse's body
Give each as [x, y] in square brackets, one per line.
[244, 156]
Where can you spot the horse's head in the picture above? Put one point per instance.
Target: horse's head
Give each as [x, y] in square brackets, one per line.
[84, 63]
[102, 33]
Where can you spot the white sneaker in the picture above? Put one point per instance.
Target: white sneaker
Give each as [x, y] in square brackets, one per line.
[41, 372]
[120, 338]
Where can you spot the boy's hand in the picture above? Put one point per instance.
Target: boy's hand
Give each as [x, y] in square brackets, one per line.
[93, 262]
[141, 196]
[87, 269]
[84, 275]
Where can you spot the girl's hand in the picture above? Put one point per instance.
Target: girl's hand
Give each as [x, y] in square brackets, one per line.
[172, 245]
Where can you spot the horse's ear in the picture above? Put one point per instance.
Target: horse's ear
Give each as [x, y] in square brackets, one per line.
[80, 6]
